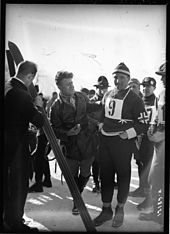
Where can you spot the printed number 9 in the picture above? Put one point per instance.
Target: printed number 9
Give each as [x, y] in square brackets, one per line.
[112, 107]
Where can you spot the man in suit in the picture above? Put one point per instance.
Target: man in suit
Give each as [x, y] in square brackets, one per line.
[19, 112]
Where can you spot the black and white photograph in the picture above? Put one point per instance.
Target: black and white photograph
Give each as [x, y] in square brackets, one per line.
[84, 118]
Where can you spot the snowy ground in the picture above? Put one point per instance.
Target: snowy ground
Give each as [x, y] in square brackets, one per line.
[51, 210]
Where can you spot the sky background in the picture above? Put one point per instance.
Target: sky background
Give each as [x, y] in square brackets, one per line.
[88, 40]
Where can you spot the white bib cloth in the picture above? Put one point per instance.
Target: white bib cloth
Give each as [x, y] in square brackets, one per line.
[113, 107]
[152, 112]
[161, 105]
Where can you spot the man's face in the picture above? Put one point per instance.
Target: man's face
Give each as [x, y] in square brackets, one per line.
[101, 91]
[135, 88]
[85, 94]
[121, 80]
[163, 79]
[29, 78]
[148, 90]
[55, 96]
[66, 87]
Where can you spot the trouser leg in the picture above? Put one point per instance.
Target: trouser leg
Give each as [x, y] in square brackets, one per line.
[115, 157]
[95, 172]
[107, 171]
[47, 174]
[39, 158]
[123, 169]
[6, 194]
[81, 173]
[82, 181]
[156, 178]
[74, 168]
[18, 182]
[140, 165]
[146, 155]
[107, 179]
[84, 175]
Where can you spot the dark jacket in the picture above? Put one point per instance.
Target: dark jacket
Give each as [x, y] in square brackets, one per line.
[19, 111]
[94, 120]
[65, 116]
[95, 116]
[133, 111]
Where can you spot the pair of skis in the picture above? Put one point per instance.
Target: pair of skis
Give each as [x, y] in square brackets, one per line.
[14, 57]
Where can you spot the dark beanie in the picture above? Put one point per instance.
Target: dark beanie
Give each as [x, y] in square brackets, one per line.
[62, 75]
[122, 68]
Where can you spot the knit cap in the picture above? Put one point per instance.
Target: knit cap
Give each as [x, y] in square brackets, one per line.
[122, 68]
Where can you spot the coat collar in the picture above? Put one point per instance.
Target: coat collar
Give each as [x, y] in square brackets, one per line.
[18, 82]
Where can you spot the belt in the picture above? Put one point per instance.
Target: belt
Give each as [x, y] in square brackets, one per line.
[110, 133]
[125, 120]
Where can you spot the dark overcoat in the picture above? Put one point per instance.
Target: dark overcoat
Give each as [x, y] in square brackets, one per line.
[19, 112]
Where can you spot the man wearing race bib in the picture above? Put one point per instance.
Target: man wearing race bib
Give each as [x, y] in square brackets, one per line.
[146, 147]
[124, 117]
[156, 134]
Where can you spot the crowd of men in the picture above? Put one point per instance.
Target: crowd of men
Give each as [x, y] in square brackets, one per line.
[99, 131]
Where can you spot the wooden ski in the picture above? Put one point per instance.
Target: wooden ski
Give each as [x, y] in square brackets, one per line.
[88, 223]
[11, 64]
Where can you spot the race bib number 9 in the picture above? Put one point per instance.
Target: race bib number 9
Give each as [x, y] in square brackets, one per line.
[113, 108]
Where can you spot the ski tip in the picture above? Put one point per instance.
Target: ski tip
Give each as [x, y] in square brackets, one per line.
[10, 42]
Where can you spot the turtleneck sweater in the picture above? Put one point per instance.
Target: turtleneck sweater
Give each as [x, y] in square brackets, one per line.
[149, 100]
